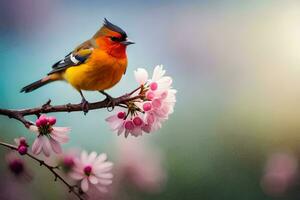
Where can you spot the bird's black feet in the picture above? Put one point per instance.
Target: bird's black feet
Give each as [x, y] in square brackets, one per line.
[111, 101]
[84, 103]
[85, 106]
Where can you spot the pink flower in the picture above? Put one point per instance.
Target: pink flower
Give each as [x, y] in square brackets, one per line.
[147, 115]
[17, 167]
[140, 165]
[92, 170]
[48, 137]
[15, 164]
[22, 145]
[66, 160]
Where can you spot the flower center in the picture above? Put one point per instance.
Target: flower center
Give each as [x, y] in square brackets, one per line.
[87, 170]
[45, 130]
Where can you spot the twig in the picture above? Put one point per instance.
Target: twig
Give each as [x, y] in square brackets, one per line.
[50, 168]
[48, 108]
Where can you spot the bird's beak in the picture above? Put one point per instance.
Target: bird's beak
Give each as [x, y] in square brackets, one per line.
[127, 42]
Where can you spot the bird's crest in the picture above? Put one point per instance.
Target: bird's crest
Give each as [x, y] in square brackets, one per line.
[115, 28]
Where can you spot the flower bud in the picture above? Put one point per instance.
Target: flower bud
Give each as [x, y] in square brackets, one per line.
[153, 86]
[150, 95]
[147, 106]
[121, 115]
[51, 120]
[38, 123]
[23, 141]
[43, 120]
[22, 150]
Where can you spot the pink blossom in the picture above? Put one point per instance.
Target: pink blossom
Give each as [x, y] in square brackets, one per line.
[22, 145]
[280, 174]
[48, 137]
[151, 112]
[18, 167]
[140, 165]
[67, 160]
[15, 164]
[92, 170]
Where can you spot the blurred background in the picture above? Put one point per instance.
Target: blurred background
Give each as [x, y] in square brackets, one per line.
[234, 134]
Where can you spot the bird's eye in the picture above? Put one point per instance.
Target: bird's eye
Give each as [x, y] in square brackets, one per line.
[115, 39]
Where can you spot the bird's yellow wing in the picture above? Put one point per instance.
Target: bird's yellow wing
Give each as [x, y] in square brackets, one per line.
[76, 57]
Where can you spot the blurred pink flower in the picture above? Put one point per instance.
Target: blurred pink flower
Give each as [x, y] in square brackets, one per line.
[140, 165]
[148, 114]
[92, 170]
[66, 160]
[48, 137]
[17, 166]
[280, 173]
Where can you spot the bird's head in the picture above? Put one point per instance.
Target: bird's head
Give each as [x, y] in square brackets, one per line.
[112, 39]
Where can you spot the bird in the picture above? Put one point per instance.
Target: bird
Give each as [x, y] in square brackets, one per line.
[97, 64]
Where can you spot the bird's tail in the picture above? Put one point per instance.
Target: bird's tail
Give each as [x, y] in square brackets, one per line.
[37, 84]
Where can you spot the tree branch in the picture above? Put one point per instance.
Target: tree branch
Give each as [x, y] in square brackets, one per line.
[19, 115]
[50, 168]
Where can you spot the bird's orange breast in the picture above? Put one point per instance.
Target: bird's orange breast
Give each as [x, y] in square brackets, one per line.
[101, 71]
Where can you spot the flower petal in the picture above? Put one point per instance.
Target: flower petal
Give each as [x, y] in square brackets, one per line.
[111, 118]
[92, 157]
[85, 185]
[101, 188]
[93, 179]
[46, 147]
[61, 130]
[76, 175]
[34, 129]
[37, 145]
[103, 167]
[17, 141]
[100, 159]
[141, 76]
[105, 181]
[55, 146]
[158, 73]
[105, 175]
[60, 134]
[84, 157]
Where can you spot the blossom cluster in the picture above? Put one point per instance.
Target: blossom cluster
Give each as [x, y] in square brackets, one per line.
[144, 112]
[147, 113]
[91, 170]
[48, 137]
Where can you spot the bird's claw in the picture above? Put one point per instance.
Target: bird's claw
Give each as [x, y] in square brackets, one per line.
[85, 106]
[111, 101]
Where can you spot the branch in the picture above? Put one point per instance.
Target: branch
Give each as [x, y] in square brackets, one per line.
[50, 168]
[19, 115]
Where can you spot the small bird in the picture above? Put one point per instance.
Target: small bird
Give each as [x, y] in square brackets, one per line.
[95, 65]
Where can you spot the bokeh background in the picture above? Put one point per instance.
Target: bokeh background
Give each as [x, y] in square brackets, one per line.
[235, 132]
